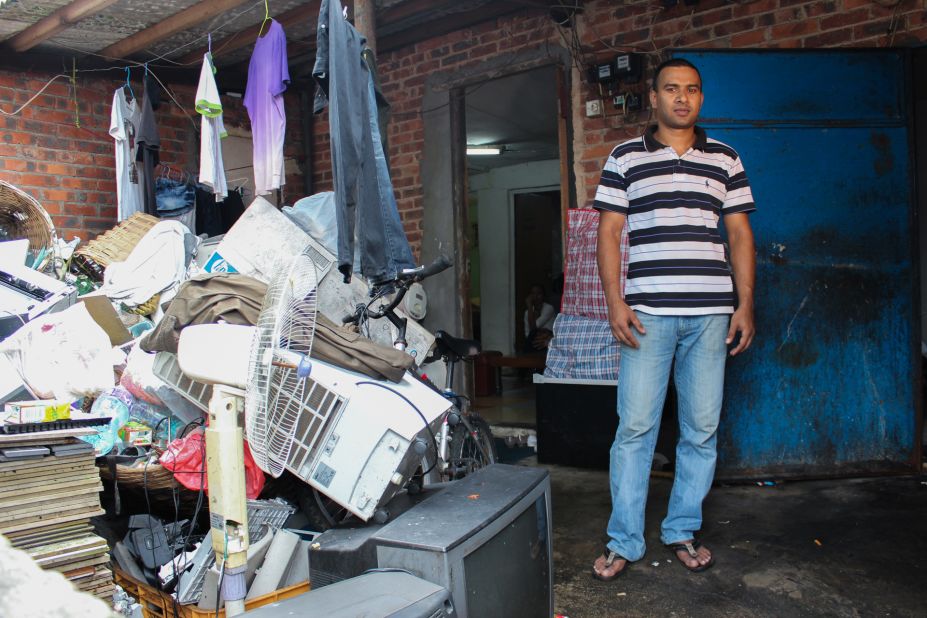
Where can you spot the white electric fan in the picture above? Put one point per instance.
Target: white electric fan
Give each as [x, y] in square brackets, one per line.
[270, 361]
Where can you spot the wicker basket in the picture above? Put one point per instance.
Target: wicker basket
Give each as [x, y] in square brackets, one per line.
[146, 308]
[155, 478]
[112, 246]
[155, 490]
[21, 216]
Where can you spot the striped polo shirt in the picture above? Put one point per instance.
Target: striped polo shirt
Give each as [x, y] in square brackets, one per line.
[676, 261]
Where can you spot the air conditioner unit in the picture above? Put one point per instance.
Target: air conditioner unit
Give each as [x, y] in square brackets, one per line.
[358, 440]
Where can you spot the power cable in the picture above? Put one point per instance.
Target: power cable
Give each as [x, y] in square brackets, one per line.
[434, 440]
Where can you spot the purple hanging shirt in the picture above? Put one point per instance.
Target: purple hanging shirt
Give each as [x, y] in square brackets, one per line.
[268, 76]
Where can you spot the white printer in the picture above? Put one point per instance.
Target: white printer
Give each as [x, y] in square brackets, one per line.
[26, 294]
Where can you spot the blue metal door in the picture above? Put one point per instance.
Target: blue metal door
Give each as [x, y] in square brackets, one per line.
[829, 386]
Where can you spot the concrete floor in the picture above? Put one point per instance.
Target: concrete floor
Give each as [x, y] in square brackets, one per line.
[818, 548]
[850, 547]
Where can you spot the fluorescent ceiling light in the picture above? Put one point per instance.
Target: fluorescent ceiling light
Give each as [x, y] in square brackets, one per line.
[484, 150]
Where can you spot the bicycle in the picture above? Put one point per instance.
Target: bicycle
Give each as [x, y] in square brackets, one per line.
[464, 443]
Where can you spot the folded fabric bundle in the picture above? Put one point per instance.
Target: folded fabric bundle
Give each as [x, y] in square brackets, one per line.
[345, 348]
[583, 294]
[207, 299]
[157, 263]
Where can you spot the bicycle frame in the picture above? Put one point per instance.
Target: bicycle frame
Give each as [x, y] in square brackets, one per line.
[386, 310]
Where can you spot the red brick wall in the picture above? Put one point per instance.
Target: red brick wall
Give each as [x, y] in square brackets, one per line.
[70, 170]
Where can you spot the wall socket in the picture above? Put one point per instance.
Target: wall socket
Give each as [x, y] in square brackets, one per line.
[594, 108]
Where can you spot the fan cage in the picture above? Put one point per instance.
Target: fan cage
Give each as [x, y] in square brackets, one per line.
[275, 394]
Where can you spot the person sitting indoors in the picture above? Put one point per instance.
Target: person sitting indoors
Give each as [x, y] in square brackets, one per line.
[539, 321]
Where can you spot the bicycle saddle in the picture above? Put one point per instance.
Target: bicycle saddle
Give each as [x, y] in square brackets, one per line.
[454, 348]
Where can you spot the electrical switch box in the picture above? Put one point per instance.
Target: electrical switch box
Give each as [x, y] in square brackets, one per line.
[628, 68]
[593, 108]
[624, 68]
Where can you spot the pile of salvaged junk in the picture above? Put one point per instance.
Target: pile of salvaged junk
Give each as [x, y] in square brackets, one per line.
[89, 375]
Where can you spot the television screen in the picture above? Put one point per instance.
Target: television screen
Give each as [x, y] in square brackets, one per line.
[519, 556]
[490, 528]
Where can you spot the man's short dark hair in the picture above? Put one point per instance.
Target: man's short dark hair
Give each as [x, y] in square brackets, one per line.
[673, 62]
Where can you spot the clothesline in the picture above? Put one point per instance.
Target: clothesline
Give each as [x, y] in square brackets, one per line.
[146, 65]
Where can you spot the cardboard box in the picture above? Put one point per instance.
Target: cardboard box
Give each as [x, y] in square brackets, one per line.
[136, 434]
[101, 310]
[37, 411]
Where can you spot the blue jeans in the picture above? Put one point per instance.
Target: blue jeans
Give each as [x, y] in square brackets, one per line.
[398, 254]
[364, 196]
[697, 344]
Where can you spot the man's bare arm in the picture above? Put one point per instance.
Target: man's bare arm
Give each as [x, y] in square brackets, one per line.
[608, 254]
[743, 261]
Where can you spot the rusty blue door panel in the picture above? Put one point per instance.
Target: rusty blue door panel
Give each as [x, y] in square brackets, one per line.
[828, 387]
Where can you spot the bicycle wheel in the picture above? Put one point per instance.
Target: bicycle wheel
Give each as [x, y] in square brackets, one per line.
[471, 448]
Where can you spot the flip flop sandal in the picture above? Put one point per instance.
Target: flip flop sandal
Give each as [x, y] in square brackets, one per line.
[610, 558]
[690, 547]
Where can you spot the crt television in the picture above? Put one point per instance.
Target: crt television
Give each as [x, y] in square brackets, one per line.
[469, 536]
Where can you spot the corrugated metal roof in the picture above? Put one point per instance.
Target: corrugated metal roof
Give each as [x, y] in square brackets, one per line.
[115, 22]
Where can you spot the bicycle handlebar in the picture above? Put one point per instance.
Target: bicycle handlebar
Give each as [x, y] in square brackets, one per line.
[423, 272]
[402, 281]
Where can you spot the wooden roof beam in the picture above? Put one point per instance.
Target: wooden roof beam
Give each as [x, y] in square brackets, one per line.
[246, 37]
[52, 24]
[189, 17]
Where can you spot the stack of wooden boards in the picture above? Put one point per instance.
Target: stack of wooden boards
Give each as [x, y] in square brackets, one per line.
[49, 490]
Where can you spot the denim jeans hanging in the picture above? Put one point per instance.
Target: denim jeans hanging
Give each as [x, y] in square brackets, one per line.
[173, 197]
[363, 190]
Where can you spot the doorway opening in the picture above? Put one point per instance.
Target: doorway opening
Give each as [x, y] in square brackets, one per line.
[516, 206]
[537, 251]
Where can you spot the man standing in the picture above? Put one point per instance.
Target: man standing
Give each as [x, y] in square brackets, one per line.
[670, 187]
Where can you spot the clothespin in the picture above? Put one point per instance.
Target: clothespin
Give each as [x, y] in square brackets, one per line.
[209, 39]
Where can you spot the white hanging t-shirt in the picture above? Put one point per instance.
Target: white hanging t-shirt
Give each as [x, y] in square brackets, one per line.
[212, 168]
[123, 122]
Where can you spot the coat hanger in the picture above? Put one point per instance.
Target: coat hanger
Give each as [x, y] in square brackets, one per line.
[266, 19]
[128, 83]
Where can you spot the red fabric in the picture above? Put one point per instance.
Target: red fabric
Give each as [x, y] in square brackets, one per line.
[583, 294]
[185, 458]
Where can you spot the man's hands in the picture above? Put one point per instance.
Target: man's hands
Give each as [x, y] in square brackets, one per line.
[741, 322]
[621, 319]
[529, 302]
